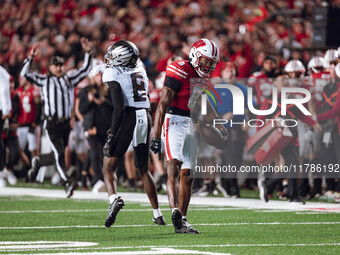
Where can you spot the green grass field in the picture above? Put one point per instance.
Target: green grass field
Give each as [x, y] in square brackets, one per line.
[61, 223]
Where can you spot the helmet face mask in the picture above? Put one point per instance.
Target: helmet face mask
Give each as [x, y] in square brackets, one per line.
[122, 53]
[206, 66]
[204, 56]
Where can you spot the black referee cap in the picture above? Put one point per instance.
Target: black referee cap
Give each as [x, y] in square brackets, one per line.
[56, 60]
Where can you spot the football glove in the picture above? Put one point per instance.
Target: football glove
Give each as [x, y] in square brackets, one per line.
[155, 146]
[225, 133]
[108, 145]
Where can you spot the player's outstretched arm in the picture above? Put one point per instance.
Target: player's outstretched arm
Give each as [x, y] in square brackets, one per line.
[166, 98]
[117, 115]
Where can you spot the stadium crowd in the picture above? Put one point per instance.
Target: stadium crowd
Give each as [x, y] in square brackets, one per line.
[249, 34]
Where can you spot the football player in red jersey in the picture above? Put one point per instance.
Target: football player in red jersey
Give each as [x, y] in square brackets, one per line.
[29, 115]
[259, 80]
[174, 115]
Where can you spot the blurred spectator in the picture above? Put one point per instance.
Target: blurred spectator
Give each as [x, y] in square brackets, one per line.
[5, 109]
[10, 138]
[241, 29]
[29, 118]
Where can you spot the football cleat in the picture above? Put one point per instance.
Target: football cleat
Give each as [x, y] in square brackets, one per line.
[70, 186]
[177, 219]
[186, 229]
[33, 172]
[159, 221]
[116, 205]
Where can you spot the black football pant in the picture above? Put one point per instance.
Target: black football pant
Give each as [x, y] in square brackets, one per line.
[291, 156]
[233, 155]
[96, 155]
[57, 134]
[328, 155]
[12, 143]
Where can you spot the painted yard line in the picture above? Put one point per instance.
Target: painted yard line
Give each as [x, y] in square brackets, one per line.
[223, 245]
[328, 212]
[183, 246]
[46, 242]
[152, 251]
[42, 245]
[297, 212]
[170, 225]
[227, 245]
[125, 210]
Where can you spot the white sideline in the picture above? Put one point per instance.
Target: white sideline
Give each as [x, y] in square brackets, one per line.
[170, 225]
[170, 248]
[204, 201]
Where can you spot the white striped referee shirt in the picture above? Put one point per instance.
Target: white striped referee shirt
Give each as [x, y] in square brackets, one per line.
[57, 93]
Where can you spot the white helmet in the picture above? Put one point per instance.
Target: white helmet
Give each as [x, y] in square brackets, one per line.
[316, 64]
[295, 66]
[204, 56]
[330, 56]
[122, 53]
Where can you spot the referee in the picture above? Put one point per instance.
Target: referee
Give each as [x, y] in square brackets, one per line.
[57, 90]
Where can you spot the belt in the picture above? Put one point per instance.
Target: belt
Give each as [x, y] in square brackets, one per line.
[57, 120]
[176, 111]
[130, 108]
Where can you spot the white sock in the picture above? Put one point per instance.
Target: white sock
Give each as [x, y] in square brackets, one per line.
[112, 198]
[157, 213]
[174, 210]
[184, 217]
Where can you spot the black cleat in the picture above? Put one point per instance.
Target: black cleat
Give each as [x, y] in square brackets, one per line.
[116, 205]
[263, 190]
[177, 219]
[70, 186]
[159, 221]
[186, 229]
[33, 172]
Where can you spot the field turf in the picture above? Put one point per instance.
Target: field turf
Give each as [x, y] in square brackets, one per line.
[32, 225]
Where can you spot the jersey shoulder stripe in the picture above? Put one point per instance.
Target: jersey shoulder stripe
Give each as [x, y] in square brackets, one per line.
[170, 69]
[179, 70]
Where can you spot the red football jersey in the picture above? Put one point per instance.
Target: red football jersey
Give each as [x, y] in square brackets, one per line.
[27, 108]
[262, 85]
[182, 71]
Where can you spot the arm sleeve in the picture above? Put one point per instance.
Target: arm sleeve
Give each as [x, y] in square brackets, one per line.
[5, 96]
[173, 84]
[118, 105]
[332, 113]
[82, 72]
[38, 79]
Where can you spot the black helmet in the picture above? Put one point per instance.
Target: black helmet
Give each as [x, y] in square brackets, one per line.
[122, 53]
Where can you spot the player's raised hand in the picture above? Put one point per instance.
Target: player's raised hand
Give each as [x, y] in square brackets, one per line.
[34, 49]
